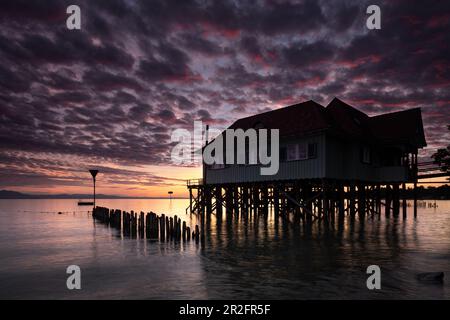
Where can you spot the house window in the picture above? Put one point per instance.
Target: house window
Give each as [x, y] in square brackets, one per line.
[302, 151]
[366, 156]
[312, 150]
[299, 151]
[291, 152]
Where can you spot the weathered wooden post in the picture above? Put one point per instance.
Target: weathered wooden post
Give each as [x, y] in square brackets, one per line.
[175, 227]
[157, 226]
[415, 198]
[190, 200]
[341, 201]
[147, 225]
[228, 201]
[378, 199]
[352, 204]
[387, 206]
[361, 200]
[218, 196]
[197, 233]
[178, 237]
[404, 201]
[265, 200]
[171, 227]
[396, 200]
[325, 201]
[276, 201]
[162, 227]
[236, 201]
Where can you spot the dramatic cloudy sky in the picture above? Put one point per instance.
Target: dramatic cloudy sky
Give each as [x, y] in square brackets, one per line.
[110, 94]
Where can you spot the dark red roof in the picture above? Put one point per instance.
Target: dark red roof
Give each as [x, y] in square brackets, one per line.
[298, 119]
[342, 120]
[402, 126]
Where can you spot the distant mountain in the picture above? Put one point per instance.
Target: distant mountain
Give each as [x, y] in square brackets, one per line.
[6, 194]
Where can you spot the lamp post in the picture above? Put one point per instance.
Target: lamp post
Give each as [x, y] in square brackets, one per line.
[94, 174]
[170, 194]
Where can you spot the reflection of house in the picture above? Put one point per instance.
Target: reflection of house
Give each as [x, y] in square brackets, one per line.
[335, 142]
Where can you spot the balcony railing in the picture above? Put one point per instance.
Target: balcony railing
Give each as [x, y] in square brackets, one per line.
[194, 182]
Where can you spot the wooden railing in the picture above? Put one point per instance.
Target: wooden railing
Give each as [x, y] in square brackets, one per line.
[194, 182]
[430, 169]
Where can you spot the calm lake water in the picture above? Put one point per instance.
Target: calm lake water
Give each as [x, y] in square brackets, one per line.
[262, 259]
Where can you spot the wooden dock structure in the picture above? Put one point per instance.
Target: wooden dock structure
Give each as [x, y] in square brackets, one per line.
[305, 200]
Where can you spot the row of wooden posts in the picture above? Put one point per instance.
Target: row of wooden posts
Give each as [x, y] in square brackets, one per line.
[146, 225]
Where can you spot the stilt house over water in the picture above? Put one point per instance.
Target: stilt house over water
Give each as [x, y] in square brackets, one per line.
[333, 142]
[333, 159]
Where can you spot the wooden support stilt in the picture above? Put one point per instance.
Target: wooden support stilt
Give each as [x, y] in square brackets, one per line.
[361, 200]
[236, 201]
[387, 204]
[219, 202]
[276, 201]
[341, 201]
[326, 204]
[395, 200]
[378, 199]
[404, 201]
[415, 199]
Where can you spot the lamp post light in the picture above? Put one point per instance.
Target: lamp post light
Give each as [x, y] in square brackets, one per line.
[94, 174]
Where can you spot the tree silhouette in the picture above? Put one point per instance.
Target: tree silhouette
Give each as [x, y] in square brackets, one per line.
[442, 157]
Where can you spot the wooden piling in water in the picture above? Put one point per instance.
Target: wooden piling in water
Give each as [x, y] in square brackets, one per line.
[387, 205]
[171, 228]
[197, 233]
[150, 225]
[395, 200]
[162, 227]
[167, 228]
[404, 201]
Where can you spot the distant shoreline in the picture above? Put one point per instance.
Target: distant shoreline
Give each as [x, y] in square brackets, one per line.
[80, 198]
[431, 193]
[13, 195]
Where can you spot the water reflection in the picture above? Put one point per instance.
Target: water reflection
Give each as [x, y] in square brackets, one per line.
[238, 257]
[281, 256]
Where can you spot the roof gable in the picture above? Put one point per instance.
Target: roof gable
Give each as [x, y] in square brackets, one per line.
[293, 120]
[343, 120]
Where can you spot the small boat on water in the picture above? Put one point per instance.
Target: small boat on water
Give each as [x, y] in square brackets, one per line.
[85, 203]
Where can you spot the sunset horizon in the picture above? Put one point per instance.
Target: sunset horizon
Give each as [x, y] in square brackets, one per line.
[225, 158]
